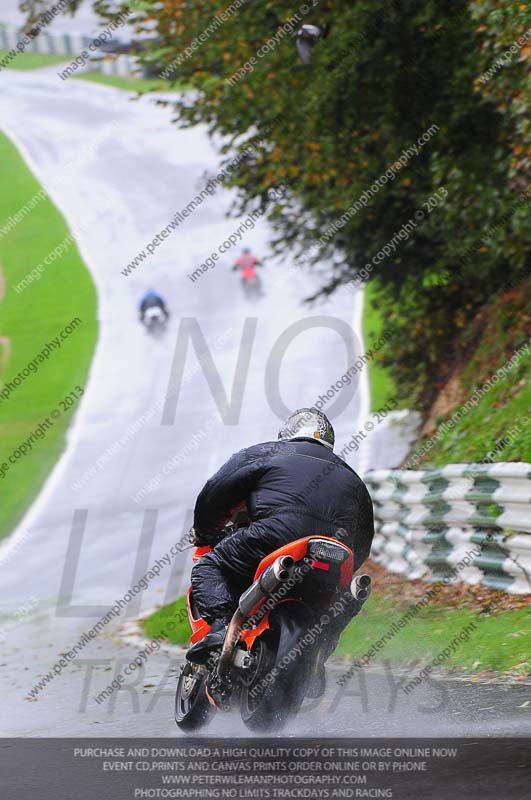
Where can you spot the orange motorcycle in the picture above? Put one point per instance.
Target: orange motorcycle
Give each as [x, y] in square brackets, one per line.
[276, 642]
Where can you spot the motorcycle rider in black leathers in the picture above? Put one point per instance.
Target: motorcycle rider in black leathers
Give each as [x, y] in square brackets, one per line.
[291, 488]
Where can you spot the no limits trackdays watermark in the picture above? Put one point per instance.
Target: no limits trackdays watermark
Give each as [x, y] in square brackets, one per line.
[174, 620]
[430, 594]
[140, 423]
[145, 689]
[229, 406]
[136, 590]
[388, 692]
[201, 435]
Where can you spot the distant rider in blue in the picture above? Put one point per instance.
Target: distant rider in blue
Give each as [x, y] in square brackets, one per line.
[150, 300]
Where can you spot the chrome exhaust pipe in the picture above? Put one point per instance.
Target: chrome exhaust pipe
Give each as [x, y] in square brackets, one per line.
[361, 587]
[270, 580]
[225, 658]
[252, 600]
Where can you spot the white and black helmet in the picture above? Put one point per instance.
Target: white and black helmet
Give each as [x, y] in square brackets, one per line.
[308, 423]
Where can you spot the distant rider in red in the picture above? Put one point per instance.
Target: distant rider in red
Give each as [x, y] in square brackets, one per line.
[247, 264]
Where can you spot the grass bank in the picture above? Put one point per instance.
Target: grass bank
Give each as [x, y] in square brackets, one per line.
[381, 383]
[489, 641]
[498, 426]
[47, 334]
[27, 61]
[499, 641]
[170, 623]
[497, 429]
[23, 61]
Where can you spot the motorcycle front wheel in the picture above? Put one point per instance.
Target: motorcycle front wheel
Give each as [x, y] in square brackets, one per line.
[192, 707]
[273, 691]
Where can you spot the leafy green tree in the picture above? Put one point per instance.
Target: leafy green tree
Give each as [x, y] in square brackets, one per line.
[385, 77]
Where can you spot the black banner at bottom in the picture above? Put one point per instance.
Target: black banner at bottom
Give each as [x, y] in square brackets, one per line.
[149, 769]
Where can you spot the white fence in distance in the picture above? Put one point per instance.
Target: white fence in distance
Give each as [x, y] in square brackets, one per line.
[71, 45]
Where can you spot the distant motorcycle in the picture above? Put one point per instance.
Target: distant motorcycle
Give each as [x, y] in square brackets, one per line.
[246, 265]
[155, 320]
[271, 653]
[251, 283]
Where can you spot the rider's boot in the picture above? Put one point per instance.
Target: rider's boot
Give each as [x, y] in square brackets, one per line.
[200, 652]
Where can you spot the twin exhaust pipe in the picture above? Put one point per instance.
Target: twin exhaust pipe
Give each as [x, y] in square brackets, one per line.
[361, 587]
[261, 590]
[269, 581]
[277, 574]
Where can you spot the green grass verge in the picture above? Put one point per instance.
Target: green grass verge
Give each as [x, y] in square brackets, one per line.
[61, 293]
[500, 641]
[23, 61]
[498, 428]
[169, 622]
[129, 84]
[381, 383]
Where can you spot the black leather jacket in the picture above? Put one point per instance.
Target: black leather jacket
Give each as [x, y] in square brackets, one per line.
[298, 485]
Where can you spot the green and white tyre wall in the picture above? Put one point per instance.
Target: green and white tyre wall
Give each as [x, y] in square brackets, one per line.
[466, 522]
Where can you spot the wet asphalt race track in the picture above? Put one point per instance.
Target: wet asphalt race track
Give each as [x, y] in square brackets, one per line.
[119, 171]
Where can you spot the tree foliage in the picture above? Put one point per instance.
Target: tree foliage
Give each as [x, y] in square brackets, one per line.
[382, 73]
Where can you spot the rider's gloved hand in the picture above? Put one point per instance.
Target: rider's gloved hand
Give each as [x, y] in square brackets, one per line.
[199, 541]
[194, 537]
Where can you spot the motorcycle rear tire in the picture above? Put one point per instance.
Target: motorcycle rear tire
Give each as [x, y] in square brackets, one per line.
[281, 688]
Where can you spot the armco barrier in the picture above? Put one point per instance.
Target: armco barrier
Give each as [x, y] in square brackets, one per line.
[70, 45]
[426, 521]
